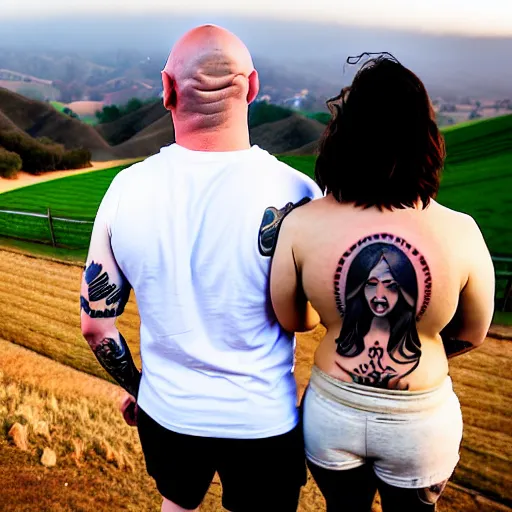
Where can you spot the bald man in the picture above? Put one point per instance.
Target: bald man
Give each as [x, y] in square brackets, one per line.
[190, 232]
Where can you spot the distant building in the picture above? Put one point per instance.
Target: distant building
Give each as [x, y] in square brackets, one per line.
[266, 98]
[297, 99]
[447, 107]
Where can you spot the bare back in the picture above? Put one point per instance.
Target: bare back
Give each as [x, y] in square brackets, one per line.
[385, 284]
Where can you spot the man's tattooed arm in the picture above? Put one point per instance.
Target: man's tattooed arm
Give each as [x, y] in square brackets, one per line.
[454, 347]
[103, 299]
[101, 289]
[115, 357]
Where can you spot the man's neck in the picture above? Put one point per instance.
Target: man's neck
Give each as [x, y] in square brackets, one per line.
[234, 137]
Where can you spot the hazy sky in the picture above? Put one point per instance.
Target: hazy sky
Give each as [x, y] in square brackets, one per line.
[478, 17]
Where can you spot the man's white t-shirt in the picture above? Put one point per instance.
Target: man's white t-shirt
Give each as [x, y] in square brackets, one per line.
[184, 231]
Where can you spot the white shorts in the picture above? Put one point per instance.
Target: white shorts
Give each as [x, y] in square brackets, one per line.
[411, 438]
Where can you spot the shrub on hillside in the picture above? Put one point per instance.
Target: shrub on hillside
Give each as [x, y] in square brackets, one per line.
[76, 159]
[70, 113]
[43, 156]
[112, 113]
[46, 141]
[263, 112]
[10, 163]
[321, 117]
[36, 157]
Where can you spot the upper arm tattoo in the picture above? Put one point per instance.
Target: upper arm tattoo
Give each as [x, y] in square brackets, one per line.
[100, 287]
[271, 224]
[382, 287]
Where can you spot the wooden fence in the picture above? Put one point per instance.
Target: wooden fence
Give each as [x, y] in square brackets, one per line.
[64, 231]
[47, 228]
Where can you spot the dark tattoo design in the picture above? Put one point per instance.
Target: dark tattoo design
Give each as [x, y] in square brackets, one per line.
[374, 373]
[454, 347]
[100, 288]
[116, 359]
[430, 495]
[271, 224]
[379, 302]
[406, 247]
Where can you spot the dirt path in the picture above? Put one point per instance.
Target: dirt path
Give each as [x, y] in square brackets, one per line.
[24, 178]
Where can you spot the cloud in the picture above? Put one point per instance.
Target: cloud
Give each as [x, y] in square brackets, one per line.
[482, 17]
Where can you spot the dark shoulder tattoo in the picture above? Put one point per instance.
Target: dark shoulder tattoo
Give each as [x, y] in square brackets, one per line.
[115, 357]
[271, 224]
[100, 288]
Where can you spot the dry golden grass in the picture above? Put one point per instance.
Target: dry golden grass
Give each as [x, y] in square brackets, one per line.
[39, 309]
[77, 416]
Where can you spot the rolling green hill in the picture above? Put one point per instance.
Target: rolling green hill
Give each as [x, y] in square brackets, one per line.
[477, 180]
[478, 139]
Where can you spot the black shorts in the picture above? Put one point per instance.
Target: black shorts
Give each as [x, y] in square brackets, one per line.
[256, 474]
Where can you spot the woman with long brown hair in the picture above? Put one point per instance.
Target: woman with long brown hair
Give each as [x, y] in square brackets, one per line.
[401, 285]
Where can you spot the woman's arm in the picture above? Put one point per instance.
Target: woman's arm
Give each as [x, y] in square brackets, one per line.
[291, 306]
[470, 325]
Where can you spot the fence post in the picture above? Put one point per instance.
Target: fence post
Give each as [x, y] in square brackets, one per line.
[50, 223]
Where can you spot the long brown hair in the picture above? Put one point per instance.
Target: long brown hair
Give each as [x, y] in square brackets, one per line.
[382, 146]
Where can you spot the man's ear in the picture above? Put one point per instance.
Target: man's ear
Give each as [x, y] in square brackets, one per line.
[254, 87]
[169, 91]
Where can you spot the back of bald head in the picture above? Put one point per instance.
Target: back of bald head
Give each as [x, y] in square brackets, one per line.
[208, 73]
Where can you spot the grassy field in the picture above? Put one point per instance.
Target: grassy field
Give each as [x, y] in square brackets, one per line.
[477, 180]
[95, 450]
[74, 197]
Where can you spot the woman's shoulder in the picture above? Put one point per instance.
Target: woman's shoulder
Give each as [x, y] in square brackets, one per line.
[457, 218]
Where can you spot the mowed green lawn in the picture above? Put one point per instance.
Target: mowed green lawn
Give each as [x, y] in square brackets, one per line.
[74, 197]
[477, 180]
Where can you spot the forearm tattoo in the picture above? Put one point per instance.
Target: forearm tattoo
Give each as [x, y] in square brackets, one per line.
[454, 347]
[382, 287]
[115, 357]
[100, 288]
[271, 224]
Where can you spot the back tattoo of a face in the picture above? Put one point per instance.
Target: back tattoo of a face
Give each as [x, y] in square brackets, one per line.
[382, 287]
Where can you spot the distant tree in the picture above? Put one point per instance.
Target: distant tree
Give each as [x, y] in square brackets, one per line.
[113, 112]
[108, 114]
[133, 105]
[262, 112]
[322, 117]
[10, 163]
[70, 113]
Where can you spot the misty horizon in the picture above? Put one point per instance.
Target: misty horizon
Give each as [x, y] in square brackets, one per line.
[449, 64]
